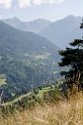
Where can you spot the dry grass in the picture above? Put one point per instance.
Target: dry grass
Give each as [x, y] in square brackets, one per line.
[64, 113]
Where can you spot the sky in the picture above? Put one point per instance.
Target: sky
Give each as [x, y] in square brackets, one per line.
[27, 10]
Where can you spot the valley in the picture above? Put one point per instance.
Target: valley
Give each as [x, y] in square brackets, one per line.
[27, 60]
[40, 84]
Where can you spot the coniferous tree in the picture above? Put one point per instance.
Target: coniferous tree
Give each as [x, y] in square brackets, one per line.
[73, 59]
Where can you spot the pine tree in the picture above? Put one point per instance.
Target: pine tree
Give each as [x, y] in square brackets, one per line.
[73, 59]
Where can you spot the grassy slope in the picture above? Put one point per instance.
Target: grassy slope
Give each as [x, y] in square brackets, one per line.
[40, 94]
[64, 113]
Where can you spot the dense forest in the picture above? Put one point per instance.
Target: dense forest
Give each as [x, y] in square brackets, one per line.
[26, 60]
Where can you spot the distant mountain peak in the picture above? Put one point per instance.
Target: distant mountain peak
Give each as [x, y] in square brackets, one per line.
[72, 17]
[63, 31]
[12, 19]
[16, 18]
[33, 26]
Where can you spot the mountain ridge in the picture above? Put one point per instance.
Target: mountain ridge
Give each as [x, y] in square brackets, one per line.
[56, 31]
[34, 26]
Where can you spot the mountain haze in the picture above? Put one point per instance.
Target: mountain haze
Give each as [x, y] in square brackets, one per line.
[63, 31]
[34, 26]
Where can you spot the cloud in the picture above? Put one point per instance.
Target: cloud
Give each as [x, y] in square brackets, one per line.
[6, 3]
[39, 2]
[26, 3]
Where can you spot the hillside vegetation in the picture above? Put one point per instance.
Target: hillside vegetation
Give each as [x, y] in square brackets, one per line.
[66, 112]
[34, 64]
[26, 59]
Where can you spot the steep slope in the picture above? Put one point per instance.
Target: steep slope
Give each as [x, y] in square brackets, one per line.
[20, 42]
[63, 31]
[26, 60]
[34, 26]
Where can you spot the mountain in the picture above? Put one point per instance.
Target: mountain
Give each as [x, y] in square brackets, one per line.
[63, 31]
[26, 60]
[22, 42]
[34, 26]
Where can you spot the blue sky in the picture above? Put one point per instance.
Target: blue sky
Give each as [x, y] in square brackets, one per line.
[53, 10]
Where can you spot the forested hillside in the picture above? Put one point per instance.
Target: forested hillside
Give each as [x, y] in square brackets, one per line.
[26, 60]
